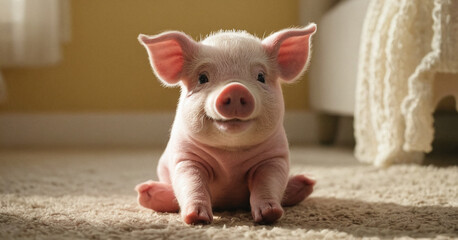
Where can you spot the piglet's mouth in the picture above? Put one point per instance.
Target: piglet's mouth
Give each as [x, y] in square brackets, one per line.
[233, 126]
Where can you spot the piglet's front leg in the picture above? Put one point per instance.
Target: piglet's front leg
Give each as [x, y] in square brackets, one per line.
[267, 183]
[190, 183]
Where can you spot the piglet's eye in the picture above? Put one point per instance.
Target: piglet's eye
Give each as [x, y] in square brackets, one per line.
[261, 77]
[203, 78]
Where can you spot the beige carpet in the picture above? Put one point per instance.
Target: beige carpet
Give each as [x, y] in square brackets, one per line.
[88, 194]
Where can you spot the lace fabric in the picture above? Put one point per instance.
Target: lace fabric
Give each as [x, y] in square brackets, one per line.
[403, 45]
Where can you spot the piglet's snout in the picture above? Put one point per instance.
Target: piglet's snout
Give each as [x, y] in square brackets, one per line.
[235, 101]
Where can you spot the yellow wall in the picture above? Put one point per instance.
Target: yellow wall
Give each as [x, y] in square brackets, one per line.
[106, 69]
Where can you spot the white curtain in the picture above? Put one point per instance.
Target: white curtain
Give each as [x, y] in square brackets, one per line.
[31, 33]
[404, 44]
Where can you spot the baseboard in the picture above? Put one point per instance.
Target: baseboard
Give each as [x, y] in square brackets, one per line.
[115, 129]
[91, 129]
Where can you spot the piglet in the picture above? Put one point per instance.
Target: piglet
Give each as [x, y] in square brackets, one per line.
[227, 147]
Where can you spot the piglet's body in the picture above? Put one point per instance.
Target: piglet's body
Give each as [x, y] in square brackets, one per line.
[228, 147]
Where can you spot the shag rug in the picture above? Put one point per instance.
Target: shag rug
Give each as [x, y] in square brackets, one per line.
[88, 194]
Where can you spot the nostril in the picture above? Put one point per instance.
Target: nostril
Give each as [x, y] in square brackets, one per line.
[243, 101]
[227, 101]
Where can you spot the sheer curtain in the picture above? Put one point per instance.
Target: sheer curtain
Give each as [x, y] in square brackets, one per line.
[31, 33]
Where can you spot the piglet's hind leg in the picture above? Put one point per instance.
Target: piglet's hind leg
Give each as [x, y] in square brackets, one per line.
[157, 196]
[299, 187]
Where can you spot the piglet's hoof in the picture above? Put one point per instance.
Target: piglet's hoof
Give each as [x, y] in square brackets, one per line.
[197, 214]
[267, 212]
[299, 187]
[157, 196]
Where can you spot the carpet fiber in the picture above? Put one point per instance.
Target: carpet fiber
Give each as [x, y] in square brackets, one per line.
[88, 194]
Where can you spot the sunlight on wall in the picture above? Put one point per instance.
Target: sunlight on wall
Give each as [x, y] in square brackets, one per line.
[106, 69]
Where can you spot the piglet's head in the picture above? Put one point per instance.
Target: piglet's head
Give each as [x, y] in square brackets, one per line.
[231, 94]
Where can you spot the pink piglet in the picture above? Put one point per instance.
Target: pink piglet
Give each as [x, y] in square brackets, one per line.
[227, 147]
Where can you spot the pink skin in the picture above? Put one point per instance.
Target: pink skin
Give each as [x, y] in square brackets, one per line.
[227, 147]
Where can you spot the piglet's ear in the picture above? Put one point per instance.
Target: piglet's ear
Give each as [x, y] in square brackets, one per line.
[168, 53]
[291, 50]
